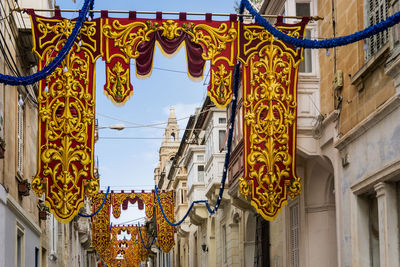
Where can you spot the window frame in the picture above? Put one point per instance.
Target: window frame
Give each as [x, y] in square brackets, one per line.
[19, 232]
[368, 53]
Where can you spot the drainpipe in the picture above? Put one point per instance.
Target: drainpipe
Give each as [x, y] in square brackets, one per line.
[268, 243]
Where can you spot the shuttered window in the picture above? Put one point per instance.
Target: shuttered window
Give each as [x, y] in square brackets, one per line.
[294, 235]
[20, 138]
[377, 10]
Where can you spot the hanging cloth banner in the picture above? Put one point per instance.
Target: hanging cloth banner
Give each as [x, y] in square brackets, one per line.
[101, 232]
[104, 237]
[270, 75]
[67, 97]
[66, 115]
[133, 38]
[165, 232]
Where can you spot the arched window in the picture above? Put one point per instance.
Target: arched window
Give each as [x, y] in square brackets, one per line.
[173, 136]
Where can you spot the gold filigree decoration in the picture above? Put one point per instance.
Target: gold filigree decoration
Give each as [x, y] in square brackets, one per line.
[270, 108]
[66, 117]
[216, 39]
[67, 111]
[118, 84]
[222, 85]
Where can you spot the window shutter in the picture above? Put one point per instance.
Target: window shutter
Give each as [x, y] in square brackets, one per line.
[294, 235]
[377, 10]
[20, 139]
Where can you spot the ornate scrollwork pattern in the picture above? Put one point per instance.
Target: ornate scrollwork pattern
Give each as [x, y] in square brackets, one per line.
[125, 39]
[66, 118]
[165, 232]
[269, 112]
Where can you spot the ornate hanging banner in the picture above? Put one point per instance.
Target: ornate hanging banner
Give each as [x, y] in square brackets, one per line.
[270, 112]
[127, 250]
[133, 38]
[66, 116]
[165, 232]
[67, 99]
[101, 232]
[67, 102]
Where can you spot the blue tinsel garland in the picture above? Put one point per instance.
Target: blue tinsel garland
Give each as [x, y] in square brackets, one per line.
[328, 43]
[47, 70]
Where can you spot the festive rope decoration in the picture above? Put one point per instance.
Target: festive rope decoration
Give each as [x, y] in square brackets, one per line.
[328, 43]
[97, 211]
[47, 70]
[141, 238]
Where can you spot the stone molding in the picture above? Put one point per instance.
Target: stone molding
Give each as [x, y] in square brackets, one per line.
[385, 173]
[23, 215]
[362, 127]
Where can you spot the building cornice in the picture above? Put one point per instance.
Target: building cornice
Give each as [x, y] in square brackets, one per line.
[23, 214]
[378, 115]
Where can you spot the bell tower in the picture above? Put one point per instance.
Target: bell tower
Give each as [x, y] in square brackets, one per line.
[169, 146]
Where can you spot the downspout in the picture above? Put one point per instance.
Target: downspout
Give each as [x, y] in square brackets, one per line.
[268, 241]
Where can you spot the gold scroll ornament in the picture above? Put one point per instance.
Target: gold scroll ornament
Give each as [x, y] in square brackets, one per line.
[269, 112]
[66, 118]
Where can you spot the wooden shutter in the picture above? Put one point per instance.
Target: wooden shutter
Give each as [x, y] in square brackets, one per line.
[20, 139]
[377, 10]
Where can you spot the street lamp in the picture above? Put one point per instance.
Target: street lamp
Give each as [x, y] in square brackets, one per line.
[117, 127]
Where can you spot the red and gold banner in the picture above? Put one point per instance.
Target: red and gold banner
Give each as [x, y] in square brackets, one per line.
[66, 116]
[101, 232]
[133, 38]
[270, 69]
[67, 102]
[165, 232]
[130, 251]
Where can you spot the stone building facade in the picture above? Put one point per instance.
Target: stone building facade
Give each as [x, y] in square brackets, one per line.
[31, 237]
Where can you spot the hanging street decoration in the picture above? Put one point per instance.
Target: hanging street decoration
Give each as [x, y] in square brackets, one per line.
[269, 116]
[66, 116]
[134, 248]
[165, 231]
[133, 38]
[66, 100]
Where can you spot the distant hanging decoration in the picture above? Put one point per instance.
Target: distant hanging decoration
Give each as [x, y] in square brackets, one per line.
[270, 113]
[135, 249]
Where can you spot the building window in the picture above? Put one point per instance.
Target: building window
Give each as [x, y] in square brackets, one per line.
[377, 10]
[373, 231]
[20, 136]
[224, 246]
[36, 257]
[303, 9]
[222, 120]
[294, 235]
[19, 247]
[200, 157]
[305, 66]
[183, 196]
[221, 138]
[200, 173]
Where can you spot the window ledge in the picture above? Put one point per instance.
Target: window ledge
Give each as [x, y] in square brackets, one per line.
[358, 78]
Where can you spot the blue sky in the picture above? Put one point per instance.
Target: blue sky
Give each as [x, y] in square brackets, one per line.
[129, 164]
